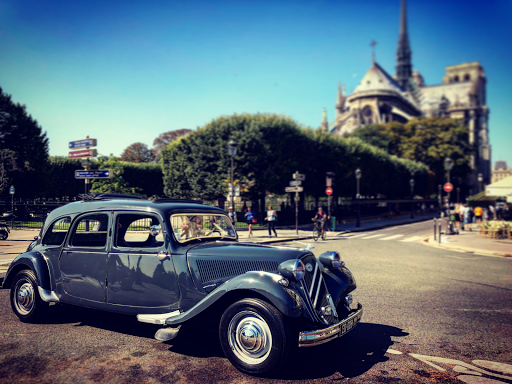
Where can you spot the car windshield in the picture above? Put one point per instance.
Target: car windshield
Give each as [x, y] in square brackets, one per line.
[188, 226]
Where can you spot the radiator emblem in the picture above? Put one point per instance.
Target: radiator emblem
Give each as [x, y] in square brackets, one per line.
[309, 267]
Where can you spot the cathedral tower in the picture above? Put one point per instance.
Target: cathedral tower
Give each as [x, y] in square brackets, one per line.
[403, 53]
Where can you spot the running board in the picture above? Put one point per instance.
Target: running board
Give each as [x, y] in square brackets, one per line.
[158, 318]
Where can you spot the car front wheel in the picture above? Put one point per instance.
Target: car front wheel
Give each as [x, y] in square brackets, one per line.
[254, 336]
[26, 303]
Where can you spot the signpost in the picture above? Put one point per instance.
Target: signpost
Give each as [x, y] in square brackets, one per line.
[11, 191]
[94, 174]
[295, 187]
[328, 191]
[83, 153]
[295, 183]
[448, 187]
[85, 143]
[299, 176]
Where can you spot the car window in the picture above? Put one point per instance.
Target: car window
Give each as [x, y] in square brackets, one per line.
[197, 226]
[90, 231]
[56, 234]
[138, 230]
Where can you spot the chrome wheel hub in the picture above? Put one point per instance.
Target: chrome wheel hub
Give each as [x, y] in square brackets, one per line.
[24, 297]
[249, 337]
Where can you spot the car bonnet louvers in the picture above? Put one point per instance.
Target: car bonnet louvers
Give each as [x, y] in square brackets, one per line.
[213, 270]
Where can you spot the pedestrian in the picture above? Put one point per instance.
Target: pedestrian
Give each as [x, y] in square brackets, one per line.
[478, 214]
[397, 210]
[423, 208]
[456, 214]
[493, 211]
[232, 216]
[271, 219]
[485, 214]
[251, 219]
[431, 208]
[390, 211]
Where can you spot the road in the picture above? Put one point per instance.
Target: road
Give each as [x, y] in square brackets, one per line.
[430, 315]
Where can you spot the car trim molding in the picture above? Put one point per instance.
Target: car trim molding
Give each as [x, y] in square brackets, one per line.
[157, 318]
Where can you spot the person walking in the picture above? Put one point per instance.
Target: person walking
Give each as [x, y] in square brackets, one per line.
[232, 216]
[271, 219]
[478, 214]
[457, 214]
[249, 216]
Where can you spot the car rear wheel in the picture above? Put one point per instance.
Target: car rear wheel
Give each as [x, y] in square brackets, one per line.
[254, 336]
[26, 303]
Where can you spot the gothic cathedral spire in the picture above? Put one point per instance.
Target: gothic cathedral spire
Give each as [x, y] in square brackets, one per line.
[403, 53]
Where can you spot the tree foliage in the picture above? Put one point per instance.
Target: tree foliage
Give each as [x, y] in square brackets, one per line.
[61, 177]
[427, 140]
[270, 149]
[116, 184]
[167, 137]
[137, 153]
[25, 164]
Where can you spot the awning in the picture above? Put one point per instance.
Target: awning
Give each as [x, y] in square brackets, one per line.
[502, 188]
[483, 198]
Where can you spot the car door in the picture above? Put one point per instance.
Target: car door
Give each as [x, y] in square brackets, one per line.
[140, 272]
[83, 261]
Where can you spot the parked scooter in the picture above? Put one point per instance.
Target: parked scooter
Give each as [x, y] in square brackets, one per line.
[4, 228]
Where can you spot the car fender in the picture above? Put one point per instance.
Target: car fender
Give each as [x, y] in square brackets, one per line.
[340, 282]
[35, 261]
[264, 283]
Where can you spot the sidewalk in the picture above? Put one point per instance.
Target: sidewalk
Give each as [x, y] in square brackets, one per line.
[473, 242]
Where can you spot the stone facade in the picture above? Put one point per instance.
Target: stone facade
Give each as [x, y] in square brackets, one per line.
[380, 98]
[500, 171]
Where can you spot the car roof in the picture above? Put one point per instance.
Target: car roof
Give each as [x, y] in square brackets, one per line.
[163, 206]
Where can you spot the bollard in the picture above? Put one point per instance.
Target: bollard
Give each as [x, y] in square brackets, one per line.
[440, 227]
[435, 229]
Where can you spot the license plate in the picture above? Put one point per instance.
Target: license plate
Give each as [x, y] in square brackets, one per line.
[351, 323]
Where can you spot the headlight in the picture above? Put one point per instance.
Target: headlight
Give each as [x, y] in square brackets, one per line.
[331, 260]
[292, 269]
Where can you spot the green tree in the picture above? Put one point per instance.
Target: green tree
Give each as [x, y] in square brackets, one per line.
[137, 153]
[61, 177]
[166, 138]
[22, 135]
[7, 168]
[116, 184]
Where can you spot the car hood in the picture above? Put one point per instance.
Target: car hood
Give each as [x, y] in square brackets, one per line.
[214, 263]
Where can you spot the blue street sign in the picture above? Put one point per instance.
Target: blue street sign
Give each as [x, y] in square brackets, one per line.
[83, 143]
[11, 190]
[94, 174]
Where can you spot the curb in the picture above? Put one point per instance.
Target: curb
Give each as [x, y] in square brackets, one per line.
[429, 241]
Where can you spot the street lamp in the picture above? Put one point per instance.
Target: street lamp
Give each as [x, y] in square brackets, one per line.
[358, 176]
[412, 198]
[232, 145]
[458, 195]
[439, 197]
[480, 179]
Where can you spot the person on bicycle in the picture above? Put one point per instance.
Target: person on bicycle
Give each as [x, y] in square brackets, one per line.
[320, 217]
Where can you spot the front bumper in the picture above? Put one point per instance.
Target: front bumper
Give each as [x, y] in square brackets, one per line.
[320, 336]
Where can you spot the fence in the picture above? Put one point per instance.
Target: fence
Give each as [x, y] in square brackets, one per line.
[31, 213]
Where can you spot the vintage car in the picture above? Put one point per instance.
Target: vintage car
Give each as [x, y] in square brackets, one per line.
[169, 261]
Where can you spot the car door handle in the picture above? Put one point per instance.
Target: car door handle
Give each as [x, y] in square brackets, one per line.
[162, 255]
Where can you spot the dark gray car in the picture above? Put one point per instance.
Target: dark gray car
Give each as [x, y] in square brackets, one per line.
[170, 261]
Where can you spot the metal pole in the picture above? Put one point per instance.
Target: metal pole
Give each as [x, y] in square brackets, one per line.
[232, 190]
[435, 229]
[297, 213]
[358, 222]
[412, 202]
[440, 228]
[12, 202]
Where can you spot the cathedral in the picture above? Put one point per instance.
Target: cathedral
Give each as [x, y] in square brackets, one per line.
[380, 98]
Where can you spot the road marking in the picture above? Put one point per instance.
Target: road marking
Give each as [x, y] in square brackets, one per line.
[392, 237]
[371, 237]
[354, 236]
[394, 352]
[414, 238]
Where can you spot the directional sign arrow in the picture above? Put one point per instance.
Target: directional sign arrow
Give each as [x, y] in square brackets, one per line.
[83, 153]
[294, 189]
[94, 174]
[295, 183]
[83, 143]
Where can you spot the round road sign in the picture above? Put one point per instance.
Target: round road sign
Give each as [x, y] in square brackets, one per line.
[328, 191]
[448, 187]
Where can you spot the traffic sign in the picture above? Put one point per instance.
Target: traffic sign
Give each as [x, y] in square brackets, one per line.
[295, 183]
[11, 190]
[448, 187]
[83, 143]
[83, 153]
[294, 189]
[299, 176]
[328, 191]
[94, 174]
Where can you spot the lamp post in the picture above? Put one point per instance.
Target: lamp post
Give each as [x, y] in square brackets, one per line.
[480, 179]
[358, 176]
[412, 198]
[440, 197]
[458, 195]
[448, 166]
[232, 145]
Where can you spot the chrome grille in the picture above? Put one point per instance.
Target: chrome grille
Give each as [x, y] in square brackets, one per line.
[212, 270]
[314, 284]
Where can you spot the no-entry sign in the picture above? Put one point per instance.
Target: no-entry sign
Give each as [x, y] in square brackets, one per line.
[328, 191]
[448, 187]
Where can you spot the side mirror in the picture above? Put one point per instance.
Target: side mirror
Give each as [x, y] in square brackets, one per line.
[154, 230]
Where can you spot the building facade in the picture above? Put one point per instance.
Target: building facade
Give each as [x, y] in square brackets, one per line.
[380, 98]
[500, 171]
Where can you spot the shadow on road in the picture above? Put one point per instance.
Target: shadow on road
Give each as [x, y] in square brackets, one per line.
[351, 355]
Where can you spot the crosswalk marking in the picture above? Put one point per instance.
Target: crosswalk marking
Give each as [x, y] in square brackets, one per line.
[414, 238]
[392, 237]
[363, 234]
[371, 237]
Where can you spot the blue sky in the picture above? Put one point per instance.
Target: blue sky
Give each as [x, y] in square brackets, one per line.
[124, 72]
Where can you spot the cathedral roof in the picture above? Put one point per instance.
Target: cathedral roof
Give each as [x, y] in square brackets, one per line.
[377, 79]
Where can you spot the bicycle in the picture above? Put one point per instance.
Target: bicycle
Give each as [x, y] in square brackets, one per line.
[4, 227]
[317, 232]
